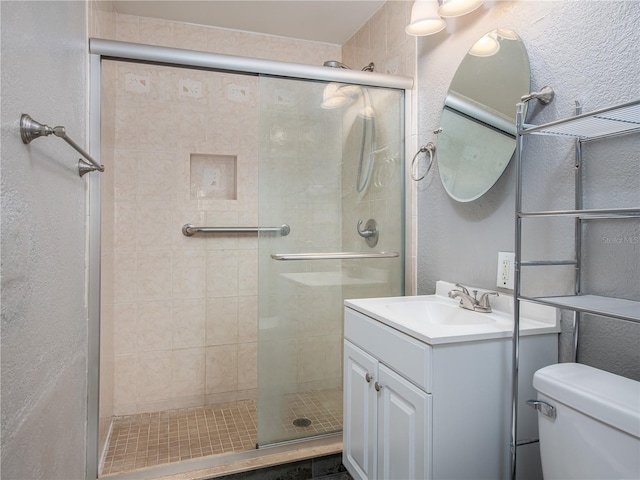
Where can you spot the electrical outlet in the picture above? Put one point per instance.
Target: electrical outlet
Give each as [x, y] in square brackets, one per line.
[505, 270]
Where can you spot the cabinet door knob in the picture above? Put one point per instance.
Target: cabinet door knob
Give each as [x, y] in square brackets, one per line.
[377, 386]
[368, 378]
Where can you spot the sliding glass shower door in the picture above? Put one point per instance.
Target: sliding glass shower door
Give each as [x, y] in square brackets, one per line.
[331, 169]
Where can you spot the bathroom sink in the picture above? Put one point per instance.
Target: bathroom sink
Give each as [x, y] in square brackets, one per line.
[432, 310]
[436, 319]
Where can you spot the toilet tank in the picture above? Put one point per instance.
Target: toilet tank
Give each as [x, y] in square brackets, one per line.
[596, 430]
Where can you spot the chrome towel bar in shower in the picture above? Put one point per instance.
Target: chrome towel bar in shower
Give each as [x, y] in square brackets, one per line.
[31, 129]
[332, 255]
[189, 230]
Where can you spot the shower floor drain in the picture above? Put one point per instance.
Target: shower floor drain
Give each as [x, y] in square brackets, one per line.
[302, 422]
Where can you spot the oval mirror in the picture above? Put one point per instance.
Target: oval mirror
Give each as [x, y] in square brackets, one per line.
[478, 120]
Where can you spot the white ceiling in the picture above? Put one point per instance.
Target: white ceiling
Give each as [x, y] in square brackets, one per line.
[330, 21]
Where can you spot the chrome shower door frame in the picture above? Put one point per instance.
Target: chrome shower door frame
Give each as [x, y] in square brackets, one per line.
[100, 49]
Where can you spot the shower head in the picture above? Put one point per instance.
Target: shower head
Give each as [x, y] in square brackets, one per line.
[335, 64]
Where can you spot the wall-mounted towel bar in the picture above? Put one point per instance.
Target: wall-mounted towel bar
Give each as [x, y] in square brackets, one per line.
[188, 230]
[31, 129]
[332, 255]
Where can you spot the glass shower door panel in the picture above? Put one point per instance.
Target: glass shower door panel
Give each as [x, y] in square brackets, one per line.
[373, 188]
[305, 181]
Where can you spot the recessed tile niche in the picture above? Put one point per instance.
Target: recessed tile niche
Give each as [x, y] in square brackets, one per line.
[213, 176]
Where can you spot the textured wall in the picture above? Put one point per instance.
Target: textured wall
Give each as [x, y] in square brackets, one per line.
[44, 317]
[587, 51]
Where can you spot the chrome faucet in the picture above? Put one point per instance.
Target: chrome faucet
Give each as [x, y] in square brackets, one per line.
[466, 300]
[469, 302]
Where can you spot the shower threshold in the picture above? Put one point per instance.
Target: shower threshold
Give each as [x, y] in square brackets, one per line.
[215, 466]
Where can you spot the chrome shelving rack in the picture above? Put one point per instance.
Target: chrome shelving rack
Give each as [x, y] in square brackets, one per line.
[609, 122]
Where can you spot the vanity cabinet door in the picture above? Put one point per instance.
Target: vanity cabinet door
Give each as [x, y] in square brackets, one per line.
[404, 428]
[360, 413]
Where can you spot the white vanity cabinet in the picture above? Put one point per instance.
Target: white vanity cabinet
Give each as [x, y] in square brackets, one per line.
[418, 411]
[386, 435]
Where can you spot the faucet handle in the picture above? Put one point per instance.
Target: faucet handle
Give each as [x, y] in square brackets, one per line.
[464, 290]
[484, 299]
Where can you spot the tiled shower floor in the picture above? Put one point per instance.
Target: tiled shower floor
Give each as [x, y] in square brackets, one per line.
[149, 439]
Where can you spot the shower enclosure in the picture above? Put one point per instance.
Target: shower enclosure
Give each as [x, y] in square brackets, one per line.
[249, 322]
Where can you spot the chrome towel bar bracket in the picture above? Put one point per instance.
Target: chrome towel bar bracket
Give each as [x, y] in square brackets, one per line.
[31, 129]
[189, 230]
[544, 96]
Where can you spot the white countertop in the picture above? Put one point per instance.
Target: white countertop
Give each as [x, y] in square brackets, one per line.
[437, 319]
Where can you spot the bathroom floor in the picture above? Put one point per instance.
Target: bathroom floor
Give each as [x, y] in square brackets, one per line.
[149, 439]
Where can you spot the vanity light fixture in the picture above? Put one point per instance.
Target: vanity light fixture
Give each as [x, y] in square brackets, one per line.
[427, 16]
[456, 8]
[425, 19]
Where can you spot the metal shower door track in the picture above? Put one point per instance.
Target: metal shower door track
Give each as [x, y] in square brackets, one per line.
[116, 50]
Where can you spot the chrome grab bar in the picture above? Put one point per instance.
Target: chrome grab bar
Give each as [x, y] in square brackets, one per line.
[189, 230]
[332, 255]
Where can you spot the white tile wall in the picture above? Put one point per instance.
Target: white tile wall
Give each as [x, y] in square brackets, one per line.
[185, 309]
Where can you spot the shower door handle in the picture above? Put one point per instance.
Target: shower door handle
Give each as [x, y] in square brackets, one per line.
[332, 255]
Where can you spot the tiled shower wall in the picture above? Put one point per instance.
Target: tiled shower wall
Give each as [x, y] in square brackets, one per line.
[383, 40]
[151, 31]
[185, 309]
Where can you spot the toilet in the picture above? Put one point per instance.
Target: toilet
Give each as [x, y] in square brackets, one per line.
[589, 423]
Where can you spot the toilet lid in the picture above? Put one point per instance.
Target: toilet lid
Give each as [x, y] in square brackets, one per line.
[607, 397]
